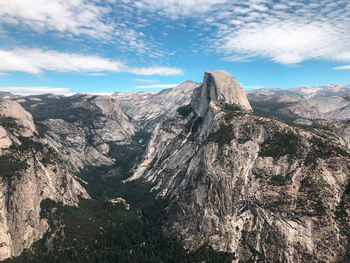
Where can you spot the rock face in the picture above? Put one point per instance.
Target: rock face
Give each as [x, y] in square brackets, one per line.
[247, 184]
[13, 110]
[144, 107]
[219, 86]
[30, 172]
[321, 110]
[238, 180]
[40, 156]
[324, 102]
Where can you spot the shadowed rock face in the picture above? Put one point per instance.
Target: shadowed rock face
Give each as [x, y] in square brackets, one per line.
[219, 86]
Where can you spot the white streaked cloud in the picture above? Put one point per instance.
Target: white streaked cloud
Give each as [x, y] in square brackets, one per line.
[100, 93]
[96, 20]
[161, 71]
[284, 31]
[156, 86]
[36, 90]
[287, 33]
[286, 42]
[253, 87]
[176, 8]
[78, 17]
[96, 74]
[36, 61]
[4, 74]
[146, 80]
[346, 67]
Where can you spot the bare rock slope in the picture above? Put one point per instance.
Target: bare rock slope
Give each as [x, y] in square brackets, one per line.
[247, 184]
[30, 171]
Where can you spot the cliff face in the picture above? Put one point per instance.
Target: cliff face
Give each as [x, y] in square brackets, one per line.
[30, 171]
[248, 184]
[147, 107]
[238, 181]
[43, 149]
[218, 86]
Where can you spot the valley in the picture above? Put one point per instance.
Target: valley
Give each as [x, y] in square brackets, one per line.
[209, 174]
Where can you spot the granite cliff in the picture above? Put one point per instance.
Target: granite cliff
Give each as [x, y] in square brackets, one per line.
[248, 184]
[266, 179]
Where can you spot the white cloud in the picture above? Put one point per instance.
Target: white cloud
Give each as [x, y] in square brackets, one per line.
[96, 74]
[284, 31]
[346, 67]
[4, 74]
[250, 88]
[287, 33]
[36, 61]
[176, 8]
[284, 42]
[100, 93]
[162, 71]
[156, 86]
[78, 17]
[73, 18]
[146, 80]
[36, 90]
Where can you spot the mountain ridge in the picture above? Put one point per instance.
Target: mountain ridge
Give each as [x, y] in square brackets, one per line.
[258, 186]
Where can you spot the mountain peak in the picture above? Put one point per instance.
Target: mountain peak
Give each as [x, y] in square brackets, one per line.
[219, 86]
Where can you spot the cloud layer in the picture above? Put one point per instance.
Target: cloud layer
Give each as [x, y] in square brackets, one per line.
[284, 31]
[287, 33]
[25, 91]
[36, 61]
[156, 86]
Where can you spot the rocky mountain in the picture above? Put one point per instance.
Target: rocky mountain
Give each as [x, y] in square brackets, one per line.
[31, 171]
[321, 110]
[6, 95]
[262, 177]
[323, 91]
[312, 103]
[246, 184]
[148, 107]
[50, 139]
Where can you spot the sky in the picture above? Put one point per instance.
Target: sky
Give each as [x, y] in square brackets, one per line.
[104, 46]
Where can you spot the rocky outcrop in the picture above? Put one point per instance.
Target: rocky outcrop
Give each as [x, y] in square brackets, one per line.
[218, 86]
[13, 110]
[247, 184]
[144, 107]
[323, 102]
[30, 171]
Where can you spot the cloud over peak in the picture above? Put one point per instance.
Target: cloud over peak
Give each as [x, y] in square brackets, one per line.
[36, 61]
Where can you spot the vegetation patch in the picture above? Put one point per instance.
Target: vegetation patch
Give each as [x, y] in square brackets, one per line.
[185, 111]
[127, 155]
[196, 124]
[231, 110]
[67, 112]
[316, 189]
[223, 136]
[271, 109]
[10, 166]
[281, 179]
[320, 148]
[99, 231]
[281, 143]
[9, 122]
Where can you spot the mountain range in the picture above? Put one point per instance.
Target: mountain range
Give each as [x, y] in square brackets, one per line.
[202, 172]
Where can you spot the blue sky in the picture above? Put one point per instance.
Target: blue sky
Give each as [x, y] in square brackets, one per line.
[98, 46]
